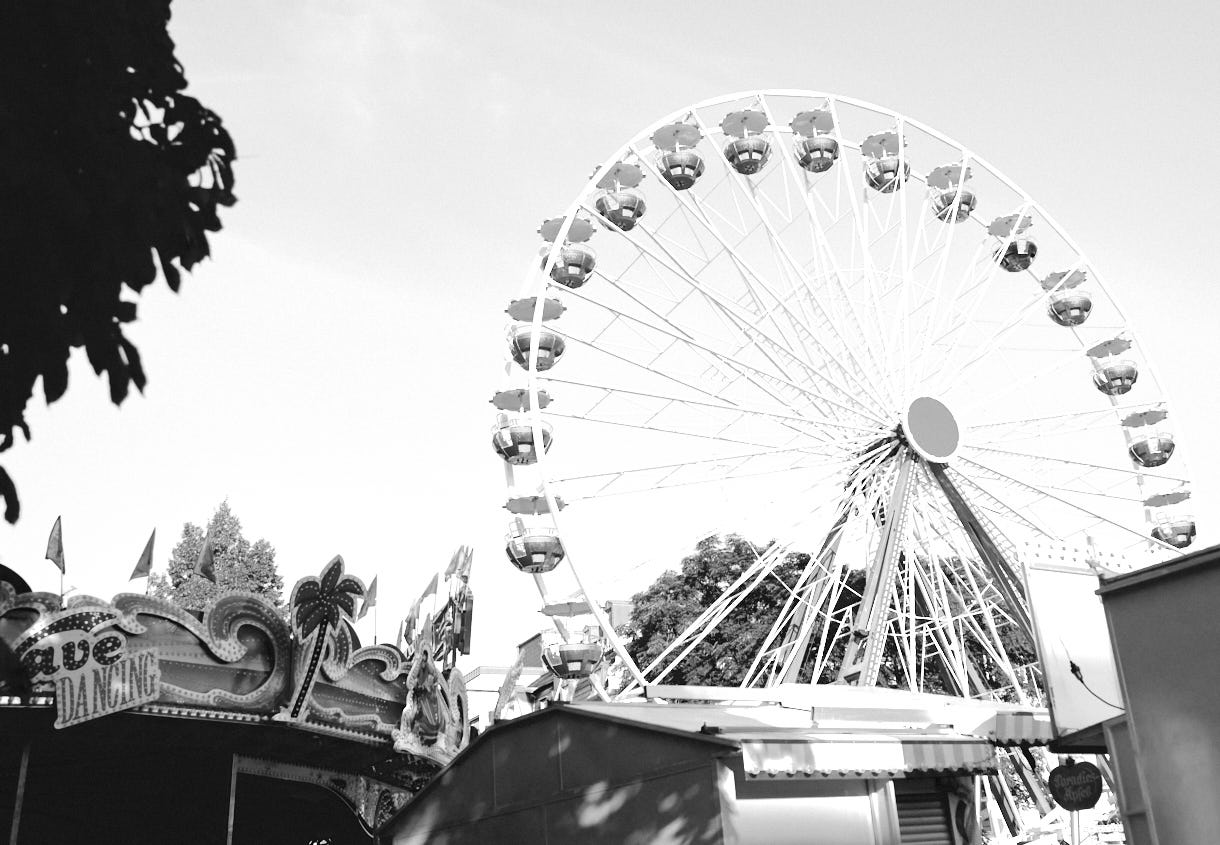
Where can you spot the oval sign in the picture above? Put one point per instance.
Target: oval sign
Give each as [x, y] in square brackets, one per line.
[1075, 786]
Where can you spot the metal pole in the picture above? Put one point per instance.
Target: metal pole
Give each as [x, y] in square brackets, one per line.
[866, 645]
[1076, 827]
[25, 765]
[1003, 574]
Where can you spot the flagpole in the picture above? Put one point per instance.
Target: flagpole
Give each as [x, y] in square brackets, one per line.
[374, 624]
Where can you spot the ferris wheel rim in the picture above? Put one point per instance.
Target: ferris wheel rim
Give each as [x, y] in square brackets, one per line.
[532, 285]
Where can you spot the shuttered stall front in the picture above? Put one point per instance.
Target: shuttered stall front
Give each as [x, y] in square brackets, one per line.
[923, 813]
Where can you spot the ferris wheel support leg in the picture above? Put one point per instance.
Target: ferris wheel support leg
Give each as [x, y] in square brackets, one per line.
[954, 684]
[1002, 572]
[1006, 803]
[800, 629]
[1027, 770]
[862, 660]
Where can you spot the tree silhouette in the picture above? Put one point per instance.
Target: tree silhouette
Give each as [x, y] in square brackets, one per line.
[111, 177]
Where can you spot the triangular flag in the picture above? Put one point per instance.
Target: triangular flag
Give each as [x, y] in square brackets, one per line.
[370, 598]
[509, 687]
[144, 565]
[430, 590]
[55, 545]
[205, 565]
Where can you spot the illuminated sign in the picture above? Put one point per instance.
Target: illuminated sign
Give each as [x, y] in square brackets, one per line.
[87, 661]
[102, 689]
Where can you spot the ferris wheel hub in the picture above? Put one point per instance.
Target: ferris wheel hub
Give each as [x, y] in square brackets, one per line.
[931, 429]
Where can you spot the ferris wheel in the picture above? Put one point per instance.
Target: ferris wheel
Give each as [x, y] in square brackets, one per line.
[818, 324]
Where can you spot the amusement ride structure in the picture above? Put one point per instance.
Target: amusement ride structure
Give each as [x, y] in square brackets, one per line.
[812, 321]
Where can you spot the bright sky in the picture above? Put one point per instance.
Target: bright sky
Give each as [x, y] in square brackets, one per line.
[329, 371]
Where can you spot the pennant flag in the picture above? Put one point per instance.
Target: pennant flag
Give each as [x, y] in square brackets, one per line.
[509, 688]
[413, 613]
[144, 565]
[370, 598]
[55, 545]
[205, 565]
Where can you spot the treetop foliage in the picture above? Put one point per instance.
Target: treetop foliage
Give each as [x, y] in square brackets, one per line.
[111, 176]
[676, 599]
[240, 565]
[664, 610]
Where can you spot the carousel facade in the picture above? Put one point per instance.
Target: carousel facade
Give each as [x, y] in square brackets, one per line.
[135, 720]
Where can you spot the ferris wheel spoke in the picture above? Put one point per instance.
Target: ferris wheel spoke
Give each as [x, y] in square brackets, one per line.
[750, 193]
[1067, 422]
[671, 377]
[1024, 383]
[755, 336]
[1053, 418]
[976, 601]
[822, 471]
[754, 284]
[698, 630]
[939, 329]
[1100, 518]
[867, 331]
[657, 429]
[724, 406]
[861, 241]
[991, 274]
[725, 460]
[1056, 461]
[981, 500]
[1003, 332]
[751, 372]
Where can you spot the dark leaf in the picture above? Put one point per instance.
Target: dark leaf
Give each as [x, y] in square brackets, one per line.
[12, 506]
[135, 368]
[54, 380]
[172, 277]
[125, 312]
[119, 379]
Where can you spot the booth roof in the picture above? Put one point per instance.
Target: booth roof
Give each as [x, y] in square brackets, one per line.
[780, 741]
[826, 708]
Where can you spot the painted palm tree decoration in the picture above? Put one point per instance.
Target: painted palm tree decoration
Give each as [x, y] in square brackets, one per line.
[320, 609]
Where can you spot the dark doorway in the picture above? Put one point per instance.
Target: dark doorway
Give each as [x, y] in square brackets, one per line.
[268, 811]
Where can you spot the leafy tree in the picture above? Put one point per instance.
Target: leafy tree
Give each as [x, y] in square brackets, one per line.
[239, 565]
[107, 166]
[676, 599]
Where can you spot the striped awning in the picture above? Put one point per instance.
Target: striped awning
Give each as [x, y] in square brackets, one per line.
[867, 755]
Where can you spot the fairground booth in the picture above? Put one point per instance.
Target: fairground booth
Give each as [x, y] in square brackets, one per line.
[714, 765]
[134, 721]
[1158, 676]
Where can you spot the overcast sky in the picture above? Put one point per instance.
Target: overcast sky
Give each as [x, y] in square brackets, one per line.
[329, 371]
